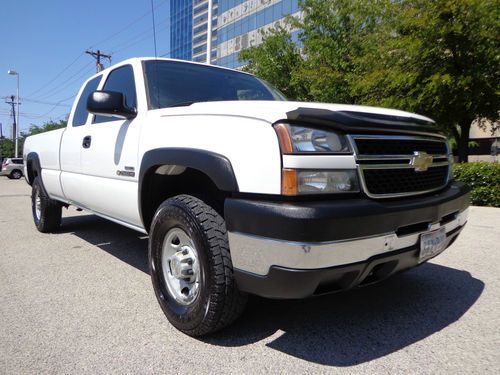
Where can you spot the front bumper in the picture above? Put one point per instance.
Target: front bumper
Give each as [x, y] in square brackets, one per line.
[294, 250]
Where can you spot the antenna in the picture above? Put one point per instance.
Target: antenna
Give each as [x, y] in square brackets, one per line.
[154, 27]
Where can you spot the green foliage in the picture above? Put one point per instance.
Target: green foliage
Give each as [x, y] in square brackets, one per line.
[48, 126]
[484, 180]
[277, 61]
[438, 58]
[7, 146]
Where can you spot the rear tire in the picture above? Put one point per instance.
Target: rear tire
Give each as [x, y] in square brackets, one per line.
[46, 212]
[191, 267]
[16, 174]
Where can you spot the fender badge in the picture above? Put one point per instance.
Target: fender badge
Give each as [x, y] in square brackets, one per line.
[421, 161]
[125, 173]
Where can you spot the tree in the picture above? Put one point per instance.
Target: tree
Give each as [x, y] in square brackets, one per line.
[277, 61]
[7, 145]
[438, 58]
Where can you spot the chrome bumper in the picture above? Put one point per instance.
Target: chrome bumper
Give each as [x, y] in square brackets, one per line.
[258, 254]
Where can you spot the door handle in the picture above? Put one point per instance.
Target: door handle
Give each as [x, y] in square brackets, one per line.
[87, 141]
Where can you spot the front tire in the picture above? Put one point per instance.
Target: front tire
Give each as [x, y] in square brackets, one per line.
[191, 267]
[46, 212]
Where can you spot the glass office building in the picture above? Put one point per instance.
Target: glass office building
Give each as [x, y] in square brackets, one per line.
[236, 25]
[241, 23]
[181, 29]
[200, 28]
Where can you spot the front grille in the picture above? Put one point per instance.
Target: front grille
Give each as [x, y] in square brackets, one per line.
[386, 169]
[397, 181]
[399, 146]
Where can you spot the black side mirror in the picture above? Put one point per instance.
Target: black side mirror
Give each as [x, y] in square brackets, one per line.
[109, 103]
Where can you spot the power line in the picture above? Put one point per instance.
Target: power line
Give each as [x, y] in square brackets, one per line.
[127, 27]
[55, 106]
[57, 75]
[138, 40]
[70, 83]
[55, 89]
[45, 103]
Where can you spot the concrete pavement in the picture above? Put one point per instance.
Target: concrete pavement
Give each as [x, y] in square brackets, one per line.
[80, 301]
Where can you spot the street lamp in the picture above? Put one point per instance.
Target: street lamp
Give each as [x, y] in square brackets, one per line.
[14, 73]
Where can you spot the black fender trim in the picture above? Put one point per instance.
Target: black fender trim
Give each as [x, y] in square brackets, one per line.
[217, 167]
[33, 167]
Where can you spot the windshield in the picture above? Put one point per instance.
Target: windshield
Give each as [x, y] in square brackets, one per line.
[171, 84]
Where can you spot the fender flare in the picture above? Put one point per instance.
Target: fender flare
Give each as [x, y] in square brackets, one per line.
[33, 167]
[217, 167]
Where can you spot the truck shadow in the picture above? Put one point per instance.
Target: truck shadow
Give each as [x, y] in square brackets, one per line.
[342, 329]
[358, 326]
[125, 244]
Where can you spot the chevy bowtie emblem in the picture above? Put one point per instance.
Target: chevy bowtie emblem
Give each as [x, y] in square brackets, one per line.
[421, 161]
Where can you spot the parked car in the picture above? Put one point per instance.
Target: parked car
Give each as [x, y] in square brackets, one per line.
[12, 168]
[242, 191]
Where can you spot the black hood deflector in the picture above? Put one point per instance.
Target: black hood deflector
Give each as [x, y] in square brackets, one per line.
[361, 122]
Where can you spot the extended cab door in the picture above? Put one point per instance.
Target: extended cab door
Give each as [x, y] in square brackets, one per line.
[109, 156]
[71, 146]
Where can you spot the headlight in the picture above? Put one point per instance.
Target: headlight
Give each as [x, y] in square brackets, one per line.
[299, 139]
[299, 182]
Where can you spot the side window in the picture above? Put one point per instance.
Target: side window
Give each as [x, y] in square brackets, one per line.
[80, 116]
[120, 80]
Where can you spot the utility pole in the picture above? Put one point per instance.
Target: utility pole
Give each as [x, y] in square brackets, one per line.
[97, 55]
[14, 126]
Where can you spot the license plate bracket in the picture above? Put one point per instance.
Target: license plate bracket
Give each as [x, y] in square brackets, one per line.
[431, 244]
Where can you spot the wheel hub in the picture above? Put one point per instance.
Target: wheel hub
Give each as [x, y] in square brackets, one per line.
[180, 265]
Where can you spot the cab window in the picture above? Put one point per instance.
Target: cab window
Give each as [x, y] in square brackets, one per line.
[81, 114]
[120, 80]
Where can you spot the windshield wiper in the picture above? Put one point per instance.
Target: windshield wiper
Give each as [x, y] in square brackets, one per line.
[182, 104]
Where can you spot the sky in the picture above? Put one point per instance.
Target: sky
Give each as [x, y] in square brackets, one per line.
[45, 42]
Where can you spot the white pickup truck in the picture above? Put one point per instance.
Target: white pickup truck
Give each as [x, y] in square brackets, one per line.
[242, 191]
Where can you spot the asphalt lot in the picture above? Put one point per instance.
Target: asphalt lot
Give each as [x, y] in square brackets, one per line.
[80, 301]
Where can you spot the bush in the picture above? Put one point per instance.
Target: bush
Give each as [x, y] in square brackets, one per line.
[484, 180]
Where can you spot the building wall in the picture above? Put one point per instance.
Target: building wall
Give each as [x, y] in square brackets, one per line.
[181, 29]
[200, 23]
[485, 141]
[241, 23]
[236, 25]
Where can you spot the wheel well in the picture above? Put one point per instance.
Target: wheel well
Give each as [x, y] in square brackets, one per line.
[156, 188]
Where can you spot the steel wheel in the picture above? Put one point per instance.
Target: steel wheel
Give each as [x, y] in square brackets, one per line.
[181, 268]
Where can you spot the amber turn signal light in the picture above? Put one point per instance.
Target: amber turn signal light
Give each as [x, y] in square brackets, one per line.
[289, 182]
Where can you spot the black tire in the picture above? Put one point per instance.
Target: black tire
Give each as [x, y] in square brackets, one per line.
[218, 302]
[16, 174]
[48, 216]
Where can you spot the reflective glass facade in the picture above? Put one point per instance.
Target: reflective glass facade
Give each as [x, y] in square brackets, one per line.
[200, 24]
[240, 23]
[181, 29]
[236, 25]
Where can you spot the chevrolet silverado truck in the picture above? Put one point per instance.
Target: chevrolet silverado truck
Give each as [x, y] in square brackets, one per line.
[243, 192]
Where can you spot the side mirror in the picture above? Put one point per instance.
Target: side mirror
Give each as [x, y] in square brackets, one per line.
[109, 103]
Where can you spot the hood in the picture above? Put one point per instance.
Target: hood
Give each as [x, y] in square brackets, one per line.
[340, 116]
